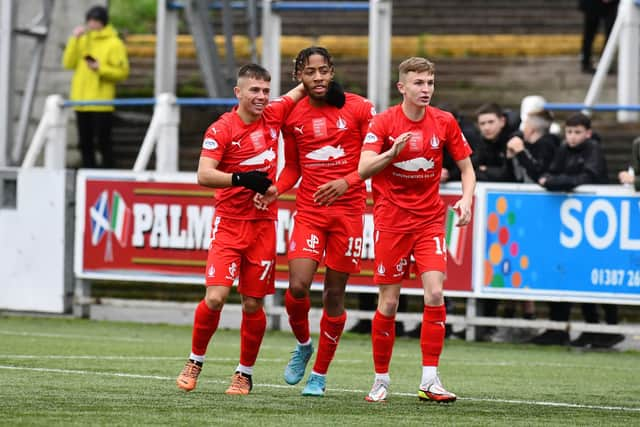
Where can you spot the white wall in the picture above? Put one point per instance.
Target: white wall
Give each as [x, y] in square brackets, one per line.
[32, 244]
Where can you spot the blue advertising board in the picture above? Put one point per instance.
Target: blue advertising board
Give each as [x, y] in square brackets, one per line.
[555, 244]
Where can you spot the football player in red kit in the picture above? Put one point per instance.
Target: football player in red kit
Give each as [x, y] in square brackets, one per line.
[238, 157]
[323, 139]
[403, 152]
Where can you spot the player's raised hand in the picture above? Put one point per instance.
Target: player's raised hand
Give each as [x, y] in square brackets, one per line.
[329, 192]
[399, 143]
[463, 208]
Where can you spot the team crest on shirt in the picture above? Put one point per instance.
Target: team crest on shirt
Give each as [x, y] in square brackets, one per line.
[209, 144]
[273, 133]
[370, 138]
[341, 124]
[435, 142]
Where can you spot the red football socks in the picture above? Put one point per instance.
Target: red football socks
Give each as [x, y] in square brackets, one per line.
[251, 334]
[330, 331]
[432, 334]
[205, 323]
[298, 311]
[383, 335]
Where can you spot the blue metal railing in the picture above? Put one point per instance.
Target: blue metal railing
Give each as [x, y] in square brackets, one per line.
[125, 102]
[596, 107]
[315, 6]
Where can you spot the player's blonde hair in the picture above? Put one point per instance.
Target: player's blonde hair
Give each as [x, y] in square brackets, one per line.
[415, 64]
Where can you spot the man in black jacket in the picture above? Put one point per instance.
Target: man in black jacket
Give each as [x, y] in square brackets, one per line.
[578, 161]
[489, 158]
[530, 153]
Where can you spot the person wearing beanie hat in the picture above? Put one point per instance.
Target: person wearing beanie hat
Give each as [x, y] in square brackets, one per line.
[99, 60]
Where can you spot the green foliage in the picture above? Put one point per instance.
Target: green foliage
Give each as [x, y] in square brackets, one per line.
[56, 371]
[133, 17]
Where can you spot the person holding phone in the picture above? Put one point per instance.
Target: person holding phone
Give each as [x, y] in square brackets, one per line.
[99, 60]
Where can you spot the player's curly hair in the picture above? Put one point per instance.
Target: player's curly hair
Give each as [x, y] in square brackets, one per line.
[303, 58]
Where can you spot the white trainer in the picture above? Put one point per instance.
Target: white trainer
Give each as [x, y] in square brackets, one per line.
[436, 392]
[378, 392]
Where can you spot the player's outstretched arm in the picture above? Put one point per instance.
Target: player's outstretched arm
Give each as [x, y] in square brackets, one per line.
[468, 178]
[371, 163]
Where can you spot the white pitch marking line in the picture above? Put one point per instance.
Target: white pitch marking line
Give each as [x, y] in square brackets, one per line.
[158, 377]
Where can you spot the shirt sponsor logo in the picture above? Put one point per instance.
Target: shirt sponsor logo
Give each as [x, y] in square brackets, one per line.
[319, 127]
[233, 269]
[400, 266]
[370, 138]
[326, 153]
[312, 242]
[209, 144]
[414, 165]
[266, 156]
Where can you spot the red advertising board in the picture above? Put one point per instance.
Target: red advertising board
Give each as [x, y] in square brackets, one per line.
[150, 230]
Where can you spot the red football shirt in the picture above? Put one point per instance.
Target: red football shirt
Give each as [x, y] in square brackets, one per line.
[241, 147]
[323, 144]
[407, 192]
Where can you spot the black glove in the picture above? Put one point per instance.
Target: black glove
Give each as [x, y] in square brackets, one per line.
[254, 180]
[335, 94]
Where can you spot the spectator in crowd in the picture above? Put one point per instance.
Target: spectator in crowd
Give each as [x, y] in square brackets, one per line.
[595, 11]
[489, 160]
[578, 161]
[531, 152]
[629, 177]
[99, 60]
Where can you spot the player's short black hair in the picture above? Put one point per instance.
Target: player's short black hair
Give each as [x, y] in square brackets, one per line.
[578, 119]
[254, 71]
[303, 58]
[98, 13]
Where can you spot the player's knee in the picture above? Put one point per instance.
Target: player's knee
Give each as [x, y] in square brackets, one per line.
[215, 301]
[434, 298]
[251, 305]
[388, 305]
[298, 289]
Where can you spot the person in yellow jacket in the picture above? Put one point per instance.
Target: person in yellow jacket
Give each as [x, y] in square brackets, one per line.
[99, 60]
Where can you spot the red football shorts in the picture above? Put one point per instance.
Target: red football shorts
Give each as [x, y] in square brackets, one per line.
[393, 254]
[243, 250]
[338, 237]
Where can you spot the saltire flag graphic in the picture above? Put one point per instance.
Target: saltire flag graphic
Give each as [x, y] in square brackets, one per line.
[120, 218]
[99, 214]
[454, 236]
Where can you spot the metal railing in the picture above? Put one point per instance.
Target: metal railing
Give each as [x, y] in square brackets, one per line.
[161, 135]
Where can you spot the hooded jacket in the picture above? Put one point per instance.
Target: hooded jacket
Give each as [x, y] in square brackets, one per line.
[574, 166]
[106, 47]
